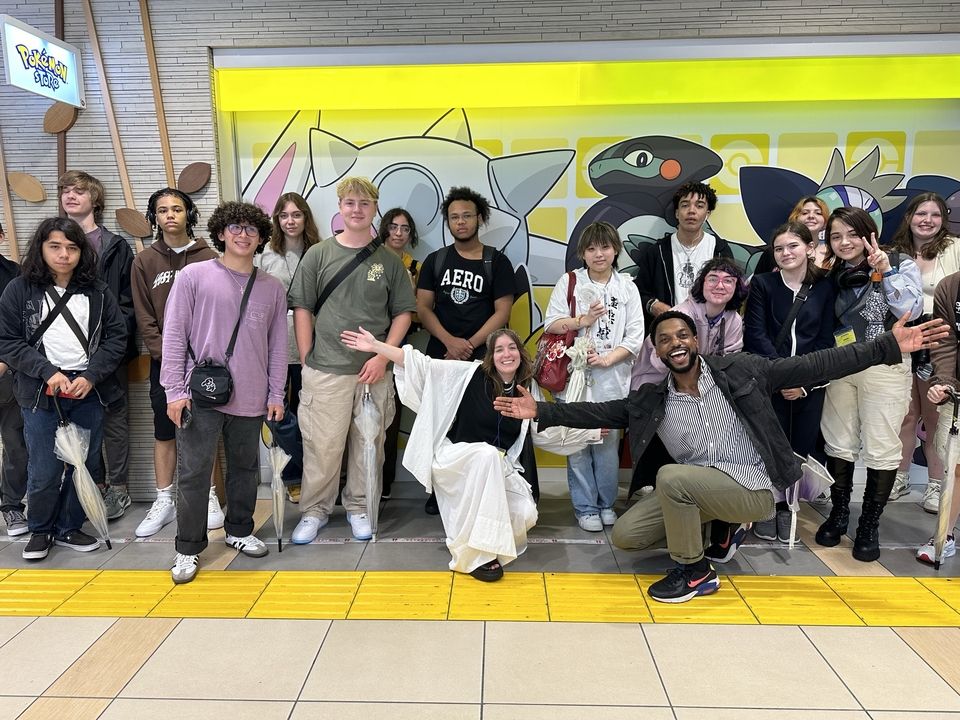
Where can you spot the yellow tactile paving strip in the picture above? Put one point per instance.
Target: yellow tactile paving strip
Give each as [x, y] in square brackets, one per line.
[558, 597]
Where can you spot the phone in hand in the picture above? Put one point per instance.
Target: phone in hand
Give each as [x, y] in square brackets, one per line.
[186, 417]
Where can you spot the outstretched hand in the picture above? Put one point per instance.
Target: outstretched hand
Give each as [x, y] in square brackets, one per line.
[360, 340]
[919, 337]
[522, 408]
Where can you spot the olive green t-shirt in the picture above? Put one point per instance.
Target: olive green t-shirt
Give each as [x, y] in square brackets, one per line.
[372, 295]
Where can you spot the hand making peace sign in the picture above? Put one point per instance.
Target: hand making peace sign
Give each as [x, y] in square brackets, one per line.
[876, 258]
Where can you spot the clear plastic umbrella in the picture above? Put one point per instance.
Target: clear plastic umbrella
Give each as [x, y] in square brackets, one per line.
[577, 383]
[814, 481]
[71, 444]
[278, 461]
[945, 516]
[368, 423]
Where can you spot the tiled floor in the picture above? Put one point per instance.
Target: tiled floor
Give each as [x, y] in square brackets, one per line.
[342, 629]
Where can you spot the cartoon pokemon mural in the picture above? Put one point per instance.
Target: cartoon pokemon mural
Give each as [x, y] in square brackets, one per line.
[549, 173]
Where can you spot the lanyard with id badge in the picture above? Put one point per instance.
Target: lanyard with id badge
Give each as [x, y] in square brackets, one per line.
[874, 311]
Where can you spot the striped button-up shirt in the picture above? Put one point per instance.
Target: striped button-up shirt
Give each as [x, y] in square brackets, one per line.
[705, 431]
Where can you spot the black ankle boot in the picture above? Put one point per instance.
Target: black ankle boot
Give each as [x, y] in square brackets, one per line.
[866, 546]
[835, 527]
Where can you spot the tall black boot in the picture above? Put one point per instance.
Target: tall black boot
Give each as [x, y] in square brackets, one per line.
[835, 527]
[866, 546]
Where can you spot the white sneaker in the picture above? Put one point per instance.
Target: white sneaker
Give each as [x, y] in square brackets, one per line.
[360, 525]
[161, 513]
[931, 497]
[901, 485]
[306, 530]
[184, 568]
[590, 523]
[215, 516]
[926, 551]
[250, 545]
[608, 516]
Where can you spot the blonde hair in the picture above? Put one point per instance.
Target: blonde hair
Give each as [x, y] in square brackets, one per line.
[357, 186]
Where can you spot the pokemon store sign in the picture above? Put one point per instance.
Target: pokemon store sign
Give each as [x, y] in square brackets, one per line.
[41, 64]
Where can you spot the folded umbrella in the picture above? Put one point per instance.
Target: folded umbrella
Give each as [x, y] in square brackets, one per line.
[944, 514]
[814, 481]
[278, 461]
[71, 444]
[368, 423]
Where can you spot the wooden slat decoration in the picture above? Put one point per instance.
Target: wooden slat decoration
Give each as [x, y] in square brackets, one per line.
[26, 187]
[59, 118]
[194, 177]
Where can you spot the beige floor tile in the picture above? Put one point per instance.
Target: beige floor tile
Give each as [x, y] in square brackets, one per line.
[767, 685]
[417, 661]
[111, 661]
[939, 647]
[863, 658]
[11, 707]
[42, 651]
[48, 708]
[744, 714]
[569, 663]
[884, 715]
[10, 626]
[231, 659]
[384, 711]
[573, 712]
[127, 708]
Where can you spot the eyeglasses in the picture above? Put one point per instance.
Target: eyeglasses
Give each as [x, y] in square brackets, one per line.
[713, 281]
[248, 230]
[466, 217]
[402, 229]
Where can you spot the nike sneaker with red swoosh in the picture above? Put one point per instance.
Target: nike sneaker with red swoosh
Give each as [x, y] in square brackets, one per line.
[685, 582]
[724, 551]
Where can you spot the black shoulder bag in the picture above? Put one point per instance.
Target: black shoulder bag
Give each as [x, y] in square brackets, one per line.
[211, 383]
[352, 265]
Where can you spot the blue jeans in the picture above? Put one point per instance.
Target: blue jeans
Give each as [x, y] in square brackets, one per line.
[52, 502]
[593, 475]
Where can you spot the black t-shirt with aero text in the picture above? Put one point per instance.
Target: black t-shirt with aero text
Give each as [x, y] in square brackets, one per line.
[463, 296]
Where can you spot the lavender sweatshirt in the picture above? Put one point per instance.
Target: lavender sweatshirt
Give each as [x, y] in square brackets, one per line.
[203, 306]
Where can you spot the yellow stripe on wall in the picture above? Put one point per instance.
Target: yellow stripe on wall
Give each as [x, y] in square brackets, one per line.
[506, 85]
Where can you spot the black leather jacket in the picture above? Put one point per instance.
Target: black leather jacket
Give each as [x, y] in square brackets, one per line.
[747, 382]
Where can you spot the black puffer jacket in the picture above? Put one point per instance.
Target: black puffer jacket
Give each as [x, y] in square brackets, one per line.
[747, 382]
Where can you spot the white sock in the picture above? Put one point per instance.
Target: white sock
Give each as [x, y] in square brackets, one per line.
[166, 492]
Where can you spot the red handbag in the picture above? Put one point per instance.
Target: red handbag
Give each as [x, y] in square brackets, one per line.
[551, 369]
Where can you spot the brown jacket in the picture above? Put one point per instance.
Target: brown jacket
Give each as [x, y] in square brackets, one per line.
[154, 271]
[944, 355]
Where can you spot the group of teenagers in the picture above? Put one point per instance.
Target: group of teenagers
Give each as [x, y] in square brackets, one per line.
[310, 330]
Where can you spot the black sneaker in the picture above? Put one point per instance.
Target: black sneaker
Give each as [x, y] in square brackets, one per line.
[721, 552]
[79, 541]
[431, 508]
[38, 546]
[684, 583]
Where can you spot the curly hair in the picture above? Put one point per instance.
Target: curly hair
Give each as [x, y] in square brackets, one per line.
[311, 235]
[188, 206]
[695, 188]
[37, 272]
[239, 213]
[465, 194]
[729, 266]
[524, 370]
[389, 216]
[903, 237]
[84, 182]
